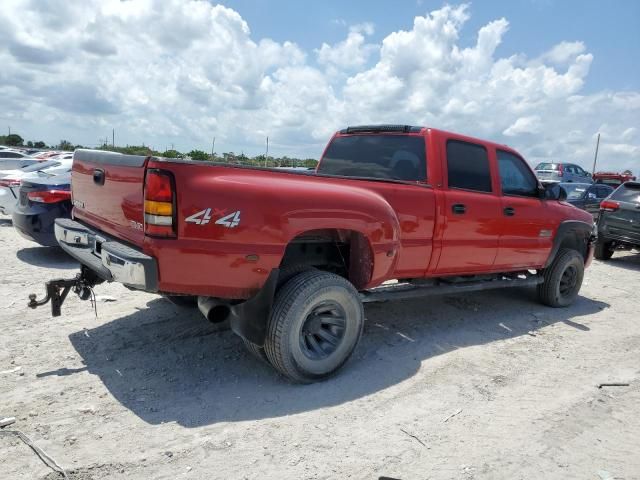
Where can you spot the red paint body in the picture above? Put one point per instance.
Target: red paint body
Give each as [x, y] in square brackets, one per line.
[410, 228]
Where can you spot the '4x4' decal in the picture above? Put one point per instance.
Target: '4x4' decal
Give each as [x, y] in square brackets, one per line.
[203, 217]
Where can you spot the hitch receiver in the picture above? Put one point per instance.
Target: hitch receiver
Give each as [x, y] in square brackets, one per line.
[57, 290]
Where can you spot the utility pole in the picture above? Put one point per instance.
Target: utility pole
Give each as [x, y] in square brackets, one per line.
[266, 155]
[113, 137]
[595, 159]
[9, 129]
[213, 146]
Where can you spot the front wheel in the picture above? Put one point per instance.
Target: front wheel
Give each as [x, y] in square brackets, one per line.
[562, 280]
[315, 325]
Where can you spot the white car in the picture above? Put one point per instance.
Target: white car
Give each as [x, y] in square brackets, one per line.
[10, 179]
[10, 158]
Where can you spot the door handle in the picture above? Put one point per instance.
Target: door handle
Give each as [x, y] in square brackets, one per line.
[98, 176]
[459, 209]
[509, 211]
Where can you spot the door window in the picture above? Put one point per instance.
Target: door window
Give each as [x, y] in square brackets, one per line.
[468, 166]
[515, 177]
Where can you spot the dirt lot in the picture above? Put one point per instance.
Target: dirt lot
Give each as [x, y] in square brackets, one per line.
[486, 385]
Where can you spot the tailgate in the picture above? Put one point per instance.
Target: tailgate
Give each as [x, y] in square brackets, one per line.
[107, 191]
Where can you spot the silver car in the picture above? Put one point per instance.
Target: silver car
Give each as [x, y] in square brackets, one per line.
[563, 172]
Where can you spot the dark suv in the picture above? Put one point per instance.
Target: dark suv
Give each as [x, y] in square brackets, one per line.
[619, 222]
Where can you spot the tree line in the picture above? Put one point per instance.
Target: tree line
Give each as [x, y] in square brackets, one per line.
[15, 140]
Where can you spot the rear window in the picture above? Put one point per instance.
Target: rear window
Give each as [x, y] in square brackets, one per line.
[393, 157]
[468, 166]
[547, 166]
[627, 193]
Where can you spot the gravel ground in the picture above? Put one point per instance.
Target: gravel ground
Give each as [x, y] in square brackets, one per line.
[489, 385]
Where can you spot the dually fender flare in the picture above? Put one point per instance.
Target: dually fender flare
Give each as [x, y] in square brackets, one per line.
[579, 230]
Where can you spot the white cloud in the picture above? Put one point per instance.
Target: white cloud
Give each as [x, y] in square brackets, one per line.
[182, 71]
[350, 54]
[563, 52]
[522, 125]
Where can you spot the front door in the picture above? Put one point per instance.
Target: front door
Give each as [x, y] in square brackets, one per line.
[525, 234]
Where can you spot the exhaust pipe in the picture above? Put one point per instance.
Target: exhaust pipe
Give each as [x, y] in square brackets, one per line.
[214, 309]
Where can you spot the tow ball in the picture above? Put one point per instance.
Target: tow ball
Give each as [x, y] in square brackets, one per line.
[57, 290]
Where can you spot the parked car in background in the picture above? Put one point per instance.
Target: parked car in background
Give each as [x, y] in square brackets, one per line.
[47, 154]
[586, 196]
[562, 172]
[612, 178]
[12, 153]
[619, 221]
[10, 180]
[40, 202]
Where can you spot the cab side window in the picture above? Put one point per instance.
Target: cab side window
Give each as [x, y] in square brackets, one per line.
[468, 166]
[515, 177]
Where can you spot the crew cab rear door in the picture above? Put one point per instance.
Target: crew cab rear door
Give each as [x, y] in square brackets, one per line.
[471, 212]
[525, 231]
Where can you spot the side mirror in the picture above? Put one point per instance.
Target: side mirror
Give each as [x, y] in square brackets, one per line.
[553, 191]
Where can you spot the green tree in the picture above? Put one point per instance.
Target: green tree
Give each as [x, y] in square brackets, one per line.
[65, 145]
[198, 155]
[172, 154]
[40, 144]
[13, 140]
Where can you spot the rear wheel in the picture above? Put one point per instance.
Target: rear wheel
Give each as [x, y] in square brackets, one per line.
[604, 250]
[286, 274]
[562, 280]
[314, 327]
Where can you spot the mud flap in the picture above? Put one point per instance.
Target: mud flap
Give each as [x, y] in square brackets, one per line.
[249, 319]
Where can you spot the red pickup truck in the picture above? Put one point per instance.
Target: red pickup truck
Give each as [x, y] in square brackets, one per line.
[289, 257]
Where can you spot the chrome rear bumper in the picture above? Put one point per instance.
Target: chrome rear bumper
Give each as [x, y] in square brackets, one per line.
[109, 258]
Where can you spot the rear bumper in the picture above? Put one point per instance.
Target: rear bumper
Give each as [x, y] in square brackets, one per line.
[35, 222]
[108, 258]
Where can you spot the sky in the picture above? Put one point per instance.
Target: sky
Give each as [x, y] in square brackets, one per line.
[544, 77]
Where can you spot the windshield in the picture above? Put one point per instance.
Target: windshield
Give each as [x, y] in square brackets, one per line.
[394, 157]
[574, 192]
[547, 166]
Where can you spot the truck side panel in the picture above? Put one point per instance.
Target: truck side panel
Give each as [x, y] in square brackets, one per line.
[239, 221]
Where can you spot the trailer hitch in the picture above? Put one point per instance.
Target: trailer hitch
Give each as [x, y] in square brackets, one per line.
[58, 289]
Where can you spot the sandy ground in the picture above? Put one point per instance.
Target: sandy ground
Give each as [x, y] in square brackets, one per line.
[480, 386]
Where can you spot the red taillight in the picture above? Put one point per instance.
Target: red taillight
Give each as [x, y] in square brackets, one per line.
[9, 182]
[49, 196]
[609, 206]
[159, 204]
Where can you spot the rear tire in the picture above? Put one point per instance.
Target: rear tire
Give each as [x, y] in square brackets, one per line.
[315, 325]
[604, 250]
[562, 280]
[285, 275]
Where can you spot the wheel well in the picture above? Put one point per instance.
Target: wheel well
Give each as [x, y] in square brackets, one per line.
[345, 252]
[575, 241]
